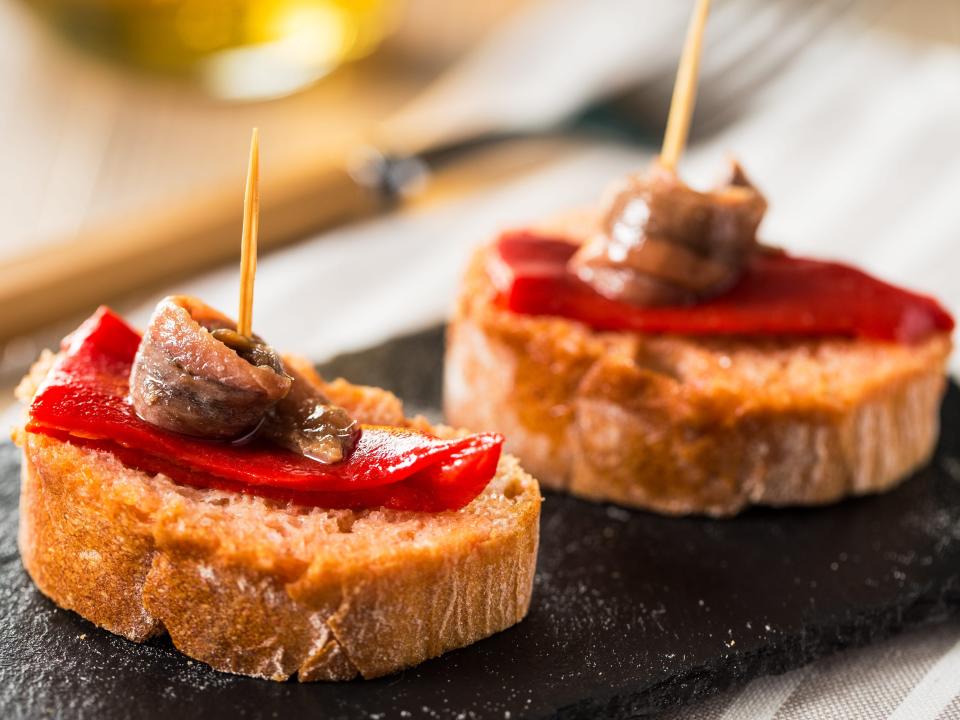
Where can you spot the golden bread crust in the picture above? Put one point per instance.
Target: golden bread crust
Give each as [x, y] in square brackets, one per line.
[691, 425]
[267, 588]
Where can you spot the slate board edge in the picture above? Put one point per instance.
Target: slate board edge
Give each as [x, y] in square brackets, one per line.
[699, 684]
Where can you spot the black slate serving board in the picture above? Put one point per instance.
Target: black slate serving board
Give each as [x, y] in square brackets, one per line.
[632, 612]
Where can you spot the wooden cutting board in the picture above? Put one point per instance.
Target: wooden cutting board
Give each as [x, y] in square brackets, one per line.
[632, 612]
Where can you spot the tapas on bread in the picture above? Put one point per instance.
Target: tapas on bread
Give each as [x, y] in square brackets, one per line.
[193, 481]
[656, 354]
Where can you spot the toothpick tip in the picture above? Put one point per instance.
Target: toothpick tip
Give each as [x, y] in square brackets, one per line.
[685, 89]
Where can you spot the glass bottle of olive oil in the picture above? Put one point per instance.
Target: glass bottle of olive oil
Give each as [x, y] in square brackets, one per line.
[236, 48]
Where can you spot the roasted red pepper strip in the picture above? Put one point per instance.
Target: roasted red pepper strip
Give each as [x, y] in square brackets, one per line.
[84, 400]
[778, 295]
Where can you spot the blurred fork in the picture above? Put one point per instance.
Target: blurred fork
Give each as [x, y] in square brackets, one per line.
[749, 45]
[748, 42]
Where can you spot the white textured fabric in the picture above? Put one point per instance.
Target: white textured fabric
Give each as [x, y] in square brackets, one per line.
[938, 689]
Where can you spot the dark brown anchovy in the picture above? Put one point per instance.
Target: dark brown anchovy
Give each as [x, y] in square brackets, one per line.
[664, 243]
[195, 374]
[187, 380]
[307, 423]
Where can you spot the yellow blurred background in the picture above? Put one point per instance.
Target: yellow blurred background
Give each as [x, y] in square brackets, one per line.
[239, 49]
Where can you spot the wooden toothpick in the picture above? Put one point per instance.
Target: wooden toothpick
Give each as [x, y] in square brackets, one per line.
[248, 242]
[685, 89]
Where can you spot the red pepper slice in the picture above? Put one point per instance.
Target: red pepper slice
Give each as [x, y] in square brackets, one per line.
[84, 400]
[778, 295]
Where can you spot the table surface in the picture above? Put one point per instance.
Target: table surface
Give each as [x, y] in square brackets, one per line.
[855, 144]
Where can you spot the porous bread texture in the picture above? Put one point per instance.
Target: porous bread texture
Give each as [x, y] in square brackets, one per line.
[267, 588]
[684, 425]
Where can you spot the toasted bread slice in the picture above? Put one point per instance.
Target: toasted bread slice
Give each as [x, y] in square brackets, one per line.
[267, 588]
[691, 424]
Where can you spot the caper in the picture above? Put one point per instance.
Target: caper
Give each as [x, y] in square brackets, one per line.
[252, 349]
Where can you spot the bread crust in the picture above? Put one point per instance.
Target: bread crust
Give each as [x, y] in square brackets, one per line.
[272, 589]
[684, 425]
